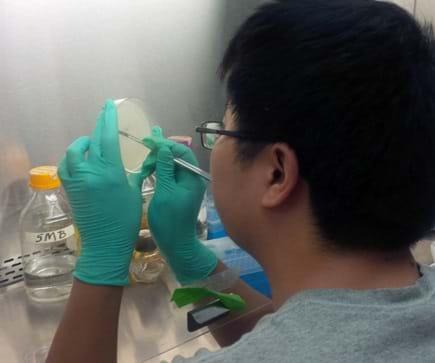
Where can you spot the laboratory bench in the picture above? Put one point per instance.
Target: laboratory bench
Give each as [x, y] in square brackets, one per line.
[151, 328]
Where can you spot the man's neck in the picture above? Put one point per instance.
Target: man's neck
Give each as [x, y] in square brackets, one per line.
[310, 268]
[286, 245]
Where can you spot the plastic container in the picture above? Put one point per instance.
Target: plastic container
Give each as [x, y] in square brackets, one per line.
[215, 228]
[48, 238]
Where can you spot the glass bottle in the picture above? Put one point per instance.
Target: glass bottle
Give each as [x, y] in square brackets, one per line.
[147, 263]
[48, 238]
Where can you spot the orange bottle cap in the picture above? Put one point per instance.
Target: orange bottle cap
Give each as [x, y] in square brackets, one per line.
[44, 177]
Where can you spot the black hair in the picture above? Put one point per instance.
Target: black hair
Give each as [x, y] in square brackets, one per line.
[350, 86]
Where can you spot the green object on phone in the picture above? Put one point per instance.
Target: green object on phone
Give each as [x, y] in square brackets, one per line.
[190, 295]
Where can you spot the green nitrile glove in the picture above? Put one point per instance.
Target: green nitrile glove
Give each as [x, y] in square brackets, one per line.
[106, 205]
[153, 143]
[173, 212]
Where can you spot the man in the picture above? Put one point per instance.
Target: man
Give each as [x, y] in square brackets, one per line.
[324, 173]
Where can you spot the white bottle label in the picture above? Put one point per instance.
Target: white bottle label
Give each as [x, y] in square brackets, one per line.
[52, 236]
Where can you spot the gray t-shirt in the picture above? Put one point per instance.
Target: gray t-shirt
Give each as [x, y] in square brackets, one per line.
[342, 325]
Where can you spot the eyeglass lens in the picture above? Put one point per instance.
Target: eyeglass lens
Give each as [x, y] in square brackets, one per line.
[209, 139]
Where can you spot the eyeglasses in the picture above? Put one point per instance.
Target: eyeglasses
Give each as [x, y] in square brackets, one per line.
[211, 130]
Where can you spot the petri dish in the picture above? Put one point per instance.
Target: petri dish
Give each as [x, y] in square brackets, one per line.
[133, 120]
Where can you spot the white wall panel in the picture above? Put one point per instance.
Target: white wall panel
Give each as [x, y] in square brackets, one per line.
[406, 4]
[425, 10]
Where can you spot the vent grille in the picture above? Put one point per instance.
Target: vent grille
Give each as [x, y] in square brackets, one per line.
[11, 269]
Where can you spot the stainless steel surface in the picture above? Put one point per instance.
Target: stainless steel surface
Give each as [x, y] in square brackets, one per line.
[149, 325]
[181, 162]
[188, 349]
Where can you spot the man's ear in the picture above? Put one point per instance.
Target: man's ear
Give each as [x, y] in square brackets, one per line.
[282, 174]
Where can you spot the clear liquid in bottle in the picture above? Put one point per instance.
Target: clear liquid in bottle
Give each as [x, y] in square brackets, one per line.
[48, 239]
